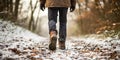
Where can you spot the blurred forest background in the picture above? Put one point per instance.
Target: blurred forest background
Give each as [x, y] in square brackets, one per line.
[90, 16]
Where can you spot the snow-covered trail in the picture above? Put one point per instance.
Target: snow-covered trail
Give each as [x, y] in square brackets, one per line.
[17, 43]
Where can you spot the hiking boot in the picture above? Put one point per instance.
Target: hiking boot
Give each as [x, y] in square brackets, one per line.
[62, 44]
[53, 40]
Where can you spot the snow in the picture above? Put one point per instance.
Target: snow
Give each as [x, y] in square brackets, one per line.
[13, 35]
[12, 31]
[18, 43]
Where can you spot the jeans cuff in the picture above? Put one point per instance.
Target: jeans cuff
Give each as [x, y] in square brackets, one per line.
[62, 39]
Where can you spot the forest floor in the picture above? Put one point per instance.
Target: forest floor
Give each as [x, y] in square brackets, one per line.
[17, 43]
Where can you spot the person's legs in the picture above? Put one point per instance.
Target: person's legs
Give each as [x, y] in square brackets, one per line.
[63, 22]
[62, 28]
[52, 16]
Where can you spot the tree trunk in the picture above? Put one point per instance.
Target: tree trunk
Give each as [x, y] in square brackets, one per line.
[11, 6]
[31, 22]
[16, 8]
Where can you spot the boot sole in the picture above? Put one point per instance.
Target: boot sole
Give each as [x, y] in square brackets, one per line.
[52, 45]
[62, 47]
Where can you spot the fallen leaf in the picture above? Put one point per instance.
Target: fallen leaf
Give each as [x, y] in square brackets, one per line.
[15, 50]
[113, 55]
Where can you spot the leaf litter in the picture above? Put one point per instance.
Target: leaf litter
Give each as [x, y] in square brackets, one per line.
[17, 43]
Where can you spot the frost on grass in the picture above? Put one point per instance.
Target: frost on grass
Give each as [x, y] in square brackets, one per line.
[17, 43]
[16, 39]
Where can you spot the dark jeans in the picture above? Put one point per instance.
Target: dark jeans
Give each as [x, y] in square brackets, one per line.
[52, 16]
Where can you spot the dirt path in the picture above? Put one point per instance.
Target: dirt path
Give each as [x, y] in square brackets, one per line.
[20, 49]
[17, 43]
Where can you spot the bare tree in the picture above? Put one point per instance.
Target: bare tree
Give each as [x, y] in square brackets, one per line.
[31, 22]
[16, 8]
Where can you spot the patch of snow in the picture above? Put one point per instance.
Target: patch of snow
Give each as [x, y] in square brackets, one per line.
[19, 43]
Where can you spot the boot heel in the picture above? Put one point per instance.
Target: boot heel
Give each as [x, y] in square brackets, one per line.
[62, 44]
[52, 45]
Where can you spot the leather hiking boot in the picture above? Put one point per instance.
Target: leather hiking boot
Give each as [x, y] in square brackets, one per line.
[62, 45]
[53, 40]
